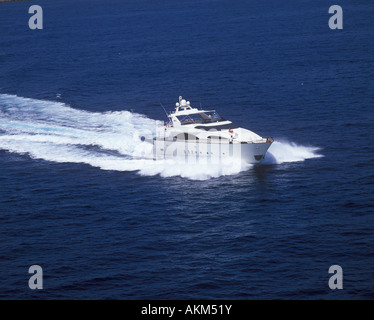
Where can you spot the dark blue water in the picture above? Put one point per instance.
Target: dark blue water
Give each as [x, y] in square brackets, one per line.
[104, 225]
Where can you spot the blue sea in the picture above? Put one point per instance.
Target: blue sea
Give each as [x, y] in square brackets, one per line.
[103, 223]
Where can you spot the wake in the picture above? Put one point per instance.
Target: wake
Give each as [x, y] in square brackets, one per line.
[55, 132]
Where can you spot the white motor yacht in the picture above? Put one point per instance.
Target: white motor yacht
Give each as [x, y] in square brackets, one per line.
[196, 135]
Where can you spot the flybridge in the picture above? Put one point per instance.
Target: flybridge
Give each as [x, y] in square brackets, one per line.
[183, 105]
[184, 114]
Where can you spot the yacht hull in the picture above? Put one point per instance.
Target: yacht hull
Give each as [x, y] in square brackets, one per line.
[195, 152]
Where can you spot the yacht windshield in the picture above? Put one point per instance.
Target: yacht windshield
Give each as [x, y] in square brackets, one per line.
[198, 118]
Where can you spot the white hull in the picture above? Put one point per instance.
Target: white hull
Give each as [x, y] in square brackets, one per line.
[192, 151]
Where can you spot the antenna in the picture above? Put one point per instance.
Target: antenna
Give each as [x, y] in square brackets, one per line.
[164, 110]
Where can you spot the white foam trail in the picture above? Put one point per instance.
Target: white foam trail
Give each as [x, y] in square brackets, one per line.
[54, 131]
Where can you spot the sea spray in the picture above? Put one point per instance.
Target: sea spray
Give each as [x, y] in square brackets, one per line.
[283, 151]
